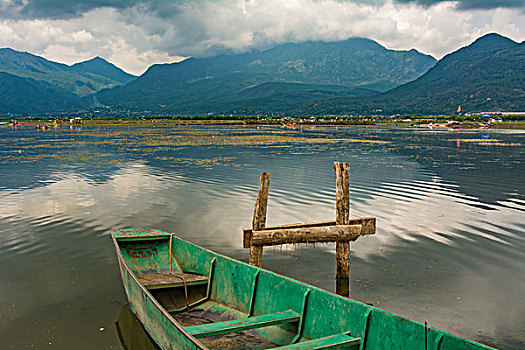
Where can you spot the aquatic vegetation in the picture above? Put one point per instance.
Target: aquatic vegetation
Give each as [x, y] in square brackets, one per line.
[82, 156]
[489, 142]
[106, 145]
[218, 161]
[265, 139]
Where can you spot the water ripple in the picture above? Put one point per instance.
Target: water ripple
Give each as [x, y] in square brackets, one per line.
[449, 222]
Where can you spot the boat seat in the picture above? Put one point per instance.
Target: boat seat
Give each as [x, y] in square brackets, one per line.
[336, 341]
[165, 280]
[216, 328]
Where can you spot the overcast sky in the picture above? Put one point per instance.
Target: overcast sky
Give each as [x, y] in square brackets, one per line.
[135, 34]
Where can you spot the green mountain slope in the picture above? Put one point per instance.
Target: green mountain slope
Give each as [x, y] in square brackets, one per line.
[81, 79]
[487, 75]
[100, 67]
[281, 77]
[23, 95]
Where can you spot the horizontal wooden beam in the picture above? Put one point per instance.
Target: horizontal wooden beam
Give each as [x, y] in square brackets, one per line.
[307, 235]
[248, 232]
[368, 223]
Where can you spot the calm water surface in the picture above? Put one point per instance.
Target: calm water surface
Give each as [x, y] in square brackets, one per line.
[450, 208]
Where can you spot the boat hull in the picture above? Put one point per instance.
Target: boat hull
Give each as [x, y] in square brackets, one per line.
[247, 295]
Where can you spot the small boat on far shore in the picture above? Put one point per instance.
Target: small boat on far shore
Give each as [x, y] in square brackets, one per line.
[188, 297]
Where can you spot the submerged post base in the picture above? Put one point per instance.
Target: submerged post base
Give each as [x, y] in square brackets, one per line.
[342, 286]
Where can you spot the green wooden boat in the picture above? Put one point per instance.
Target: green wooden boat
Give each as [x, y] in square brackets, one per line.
[188, 297]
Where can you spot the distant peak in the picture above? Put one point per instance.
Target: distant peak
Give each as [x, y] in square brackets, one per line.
[101, 66]
[487, 44]
[493, 38]
[97, 59]
[492, 35]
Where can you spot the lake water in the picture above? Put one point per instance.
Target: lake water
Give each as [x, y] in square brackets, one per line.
[450, 208]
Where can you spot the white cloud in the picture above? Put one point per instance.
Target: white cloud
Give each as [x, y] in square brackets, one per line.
[136, 37]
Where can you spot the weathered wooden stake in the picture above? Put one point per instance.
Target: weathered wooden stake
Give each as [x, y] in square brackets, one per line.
[259, 217]
[342, 217]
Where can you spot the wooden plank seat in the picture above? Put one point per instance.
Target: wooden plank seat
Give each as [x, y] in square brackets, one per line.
[165, 280]
[216, 328]
[336, 341]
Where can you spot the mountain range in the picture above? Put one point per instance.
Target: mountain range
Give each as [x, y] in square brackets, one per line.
[279, 78]
[354, 76]
[488, 75]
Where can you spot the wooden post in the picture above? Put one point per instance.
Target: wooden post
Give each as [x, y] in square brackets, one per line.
[342, 231]
[342, 217]
[259, 217]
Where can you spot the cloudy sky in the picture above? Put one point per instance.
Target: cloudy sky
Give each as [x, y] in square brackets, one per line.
[135, 34]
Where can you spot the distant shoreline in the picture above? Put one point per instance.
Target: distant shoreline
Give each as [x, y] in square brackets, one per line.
[517, 125]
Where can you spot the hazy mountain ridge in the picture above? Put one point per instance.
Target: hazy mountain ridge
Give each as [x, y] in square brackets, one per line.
[197, 84]
[344, 77]
[487, 75]
[82, 79]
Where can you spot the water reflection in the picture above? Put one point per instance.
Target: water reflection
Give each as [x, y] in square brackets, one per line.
[448, 247]
[131, 333]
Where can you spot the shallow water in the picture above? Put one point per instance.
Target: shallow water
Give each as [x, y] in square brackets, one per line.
[450, 208]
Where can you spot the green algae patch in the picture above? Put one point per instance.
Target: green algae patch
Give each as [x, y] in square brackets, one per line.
[489, 142]
[197, 136]
[246, 140]
[69, 156]
[106, 145]
[206, 163]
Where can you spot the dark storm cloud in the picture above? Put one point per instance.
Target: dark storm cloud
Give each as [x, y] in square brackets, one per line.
[137, 33]
[490, 4]
[471, 4]
[64, 9]
[56, 9]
